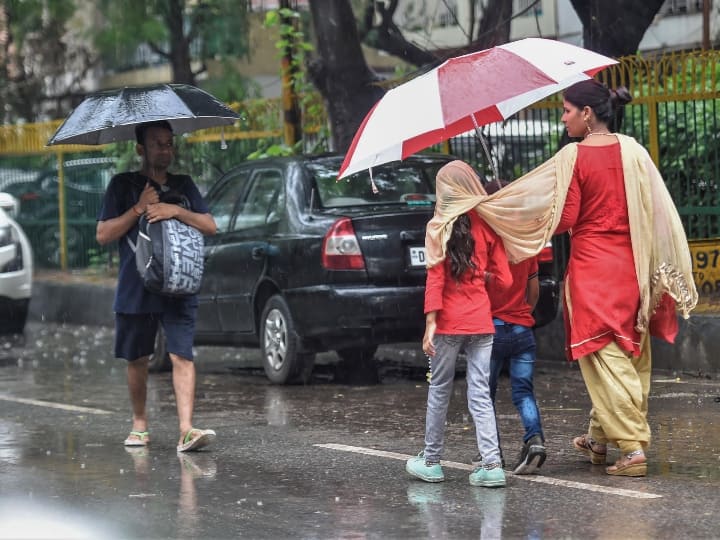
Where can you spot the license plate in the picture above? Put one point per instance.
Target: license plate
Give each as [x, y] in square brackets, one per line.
[417, 256]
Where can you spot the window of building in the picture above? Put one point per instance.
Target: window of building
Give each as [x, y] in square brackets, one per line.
[522, 5]
[682, 7]
[448, 15]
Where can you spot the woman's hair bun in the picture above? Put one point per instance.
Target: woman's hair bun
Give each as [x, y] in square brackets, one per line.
[620, 96]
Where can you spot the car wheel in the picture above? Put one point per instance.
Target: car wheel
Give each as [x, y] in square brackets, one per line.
[160, 359]
[280, 345]
[357, 365]
[17, 317]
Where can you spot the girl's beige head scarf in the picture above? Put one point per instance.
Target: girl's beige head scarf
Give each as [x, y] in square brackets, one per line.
[526, 213]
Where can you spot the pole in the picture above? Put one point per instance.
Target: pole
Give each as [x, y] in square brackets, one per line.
[62, 218]
[291, 111]
[706, 26]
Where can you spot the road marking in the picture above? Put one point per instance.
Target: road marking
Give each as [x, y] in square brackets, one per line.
[52, 405]
[530, 478]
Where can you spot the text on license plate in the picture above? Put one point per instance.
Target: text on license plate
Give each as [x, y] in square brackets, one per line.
[417, 256]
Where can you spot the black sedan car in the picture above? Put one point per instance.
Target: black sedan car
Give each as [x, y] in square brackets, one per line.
[304, 263]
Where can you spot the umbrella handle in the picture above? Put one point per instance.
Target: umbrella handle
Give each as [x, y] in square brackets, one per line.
[483, 142]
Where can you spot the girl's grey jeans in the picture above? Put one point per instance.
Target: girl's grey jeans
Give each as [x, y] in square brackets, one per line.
[478, 349]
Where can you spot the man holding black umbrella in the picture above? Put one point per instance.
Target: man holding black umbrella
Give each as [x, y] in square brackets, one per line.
[138, 312]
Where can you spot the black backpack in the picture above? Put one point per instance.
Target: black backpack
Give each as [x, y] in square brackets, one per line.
[169, 253]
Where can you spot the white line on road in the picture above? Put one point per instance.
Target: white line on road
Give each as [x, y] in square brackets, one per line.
[52, 405]
[531, 478]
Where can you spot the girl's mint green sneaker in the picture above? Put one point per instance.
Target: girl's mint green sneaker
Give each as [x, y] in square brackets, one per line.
[419, 468]
[491, 475]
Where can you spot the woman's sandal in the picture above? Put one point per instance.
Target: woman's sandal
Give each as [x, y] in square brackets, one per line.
[632, 464]
[591, 448]
[137, 438]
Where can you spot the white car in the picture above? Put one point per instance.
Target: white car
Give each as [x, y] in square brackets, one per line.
[15, 269]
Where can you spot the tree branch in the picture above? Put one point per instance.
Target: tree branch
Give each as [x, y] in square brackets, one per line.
[154, 47]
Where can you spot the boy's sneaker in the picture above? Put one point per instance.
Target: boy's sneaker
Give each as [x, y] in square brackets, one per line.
[491, 475]
[419, 468]
[532, 456]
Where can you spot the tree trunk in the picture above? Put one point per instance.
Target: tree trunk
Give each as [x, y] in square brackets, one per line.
[340, 72]
[494, 25]
[179, 44]
[615, 27]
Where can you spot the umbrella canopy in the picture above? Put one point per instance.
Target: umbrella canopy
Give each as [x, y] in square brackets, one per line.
[112, 115]
[464, 92]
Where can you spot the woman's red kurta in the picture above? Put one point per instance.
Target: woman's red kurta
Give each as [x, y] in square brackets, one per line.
[601, 281]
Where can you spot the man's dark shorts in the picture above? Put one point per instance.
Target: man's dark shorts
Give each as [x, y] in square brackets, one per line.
[135, 333]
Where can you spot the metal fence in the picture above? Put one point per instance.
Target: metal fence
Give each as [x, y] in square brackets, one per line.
[675, 113]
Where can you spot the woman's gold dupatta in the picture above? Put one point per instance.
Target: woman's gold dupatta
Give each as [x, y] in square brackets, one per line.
[660, 248]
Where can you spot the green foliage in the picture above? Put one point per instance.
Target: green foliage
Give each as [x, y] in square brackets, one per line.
[40, 51]
[28, 16]
[224, 29]
[293, 46]
[268, 149]
[232, 86]
[129, 24]
[212, 30]
[689, 140]
[97, 261]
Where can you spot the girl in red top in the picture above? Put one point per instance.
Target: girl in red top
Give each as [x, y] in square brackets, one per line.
[458, 316]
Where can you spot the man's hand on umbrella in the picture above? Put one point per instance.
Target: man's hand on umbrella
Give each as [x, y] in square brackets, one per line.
[160, 211]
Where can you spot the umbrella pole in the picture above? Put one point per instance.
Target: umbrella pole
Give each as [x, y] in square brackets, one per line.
[483, 142]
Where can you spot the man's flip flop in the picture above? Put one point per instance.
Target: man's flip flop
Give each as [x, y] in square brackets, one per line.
[137, 438]
[195, 439]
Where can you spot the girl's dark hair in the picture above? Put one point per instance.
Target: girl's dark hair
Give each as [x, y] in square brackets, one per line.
[460, 247]
[607, 104]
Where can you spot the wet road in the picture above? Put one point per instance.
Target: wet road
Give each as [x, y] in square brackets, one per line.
[324, 460]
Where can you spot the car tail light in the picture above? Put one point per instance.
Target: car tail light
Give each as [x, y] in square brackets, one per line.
[546, 254]
[341, 250]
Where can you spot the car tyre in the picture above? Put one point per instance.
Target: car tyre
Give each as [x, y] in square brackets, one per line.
[17, 318]
[160, 359]
[281, 347]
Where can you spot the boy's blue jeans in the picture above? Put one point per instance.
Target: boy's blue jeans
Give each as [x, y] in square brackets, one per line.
[515, 344]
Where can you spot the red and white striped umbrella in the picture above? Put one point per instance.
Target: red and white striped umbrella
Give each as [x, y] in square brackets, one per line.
[490, 85]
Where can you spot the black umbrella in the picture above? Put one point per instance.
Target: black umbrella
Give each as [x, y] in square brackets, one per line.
[112, 115]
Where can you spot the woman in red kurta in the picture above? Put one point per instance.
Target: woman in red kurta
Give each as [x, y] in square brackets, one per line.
[602, 295]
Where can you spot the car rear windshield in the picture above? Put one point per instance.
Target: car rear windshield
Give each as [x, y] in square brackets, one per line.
[404, 183]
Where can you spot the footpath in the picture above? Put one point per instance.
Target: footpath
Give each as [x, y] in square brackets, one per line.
[81, 298]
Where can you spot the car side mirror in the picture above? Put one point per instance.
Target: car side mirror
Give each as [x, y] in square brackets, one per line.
[10, 204]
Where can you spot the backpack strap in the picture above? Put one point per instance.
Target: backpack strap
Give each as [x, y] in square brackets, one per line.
[136, 181]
